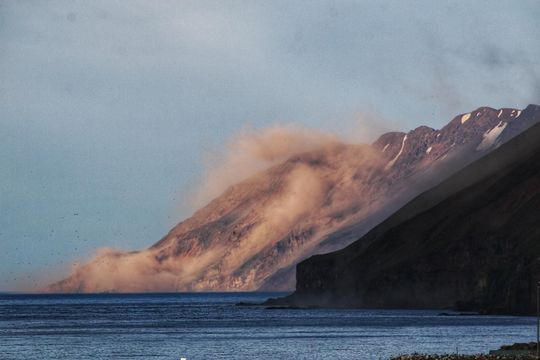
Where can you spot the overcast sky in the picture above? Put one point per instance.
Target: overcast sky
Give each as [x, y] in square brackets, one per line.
[108, 109]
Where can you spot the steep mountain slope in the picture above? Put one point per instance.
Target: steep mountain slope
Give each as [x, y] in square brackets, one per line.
[476, 249]
[254, 234]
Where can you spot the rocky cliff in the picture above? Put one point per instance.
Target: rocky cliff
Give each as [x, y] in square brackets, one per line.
[252, 236]
[470, 243]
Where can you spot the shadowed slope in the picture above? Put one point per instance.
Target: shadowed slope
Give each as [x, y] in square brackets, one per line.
[477, 248]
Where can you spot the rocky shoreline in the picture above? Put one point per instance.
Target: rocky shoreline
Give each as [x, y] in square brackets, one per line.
[505, 352]
[462, 357]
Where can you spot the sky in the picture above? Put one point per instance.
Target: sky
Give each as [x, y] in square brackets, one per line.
[111, 110]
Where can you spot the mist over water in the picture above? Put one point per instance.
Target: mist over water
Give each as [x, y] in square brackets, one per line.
[210, 326]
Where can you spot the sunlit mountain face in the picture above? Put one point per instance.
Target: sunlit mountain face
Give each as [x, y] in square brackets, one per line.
[317, 199]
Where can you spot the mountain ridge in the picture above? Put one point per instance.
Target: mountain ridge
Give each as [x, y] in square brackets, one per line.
[252, 236]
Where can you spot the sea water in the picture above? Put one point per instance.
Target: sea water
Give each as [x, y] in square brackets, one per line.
[210, 326]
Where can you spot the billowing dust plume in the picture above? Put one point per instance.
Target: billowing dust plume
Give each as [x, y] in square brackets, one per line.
[281, 177]
[252, 151]
[284, 194]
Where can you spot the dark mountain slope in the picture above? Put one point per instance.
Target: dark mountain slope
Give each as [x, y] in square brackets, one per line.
[473, 249]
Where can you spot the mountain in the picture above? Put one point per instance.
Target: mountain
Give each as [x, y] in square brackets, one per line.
[471, 243]
[253, 235]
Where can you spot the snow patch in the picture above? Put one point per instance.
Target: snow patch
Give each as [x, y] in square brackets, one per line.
[429, 150]
[518, 113]
[491, 136]
[439, 134]
[500, 113]
[385, 147]
[393, 161]
[465, 117]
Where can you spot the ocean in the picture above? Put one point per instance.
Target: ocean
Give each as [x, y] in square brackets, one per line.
[210, 326]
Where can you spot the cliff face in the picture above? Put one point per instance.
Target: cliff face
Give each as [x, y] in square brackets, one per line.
[252, 236]
[470, 243]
